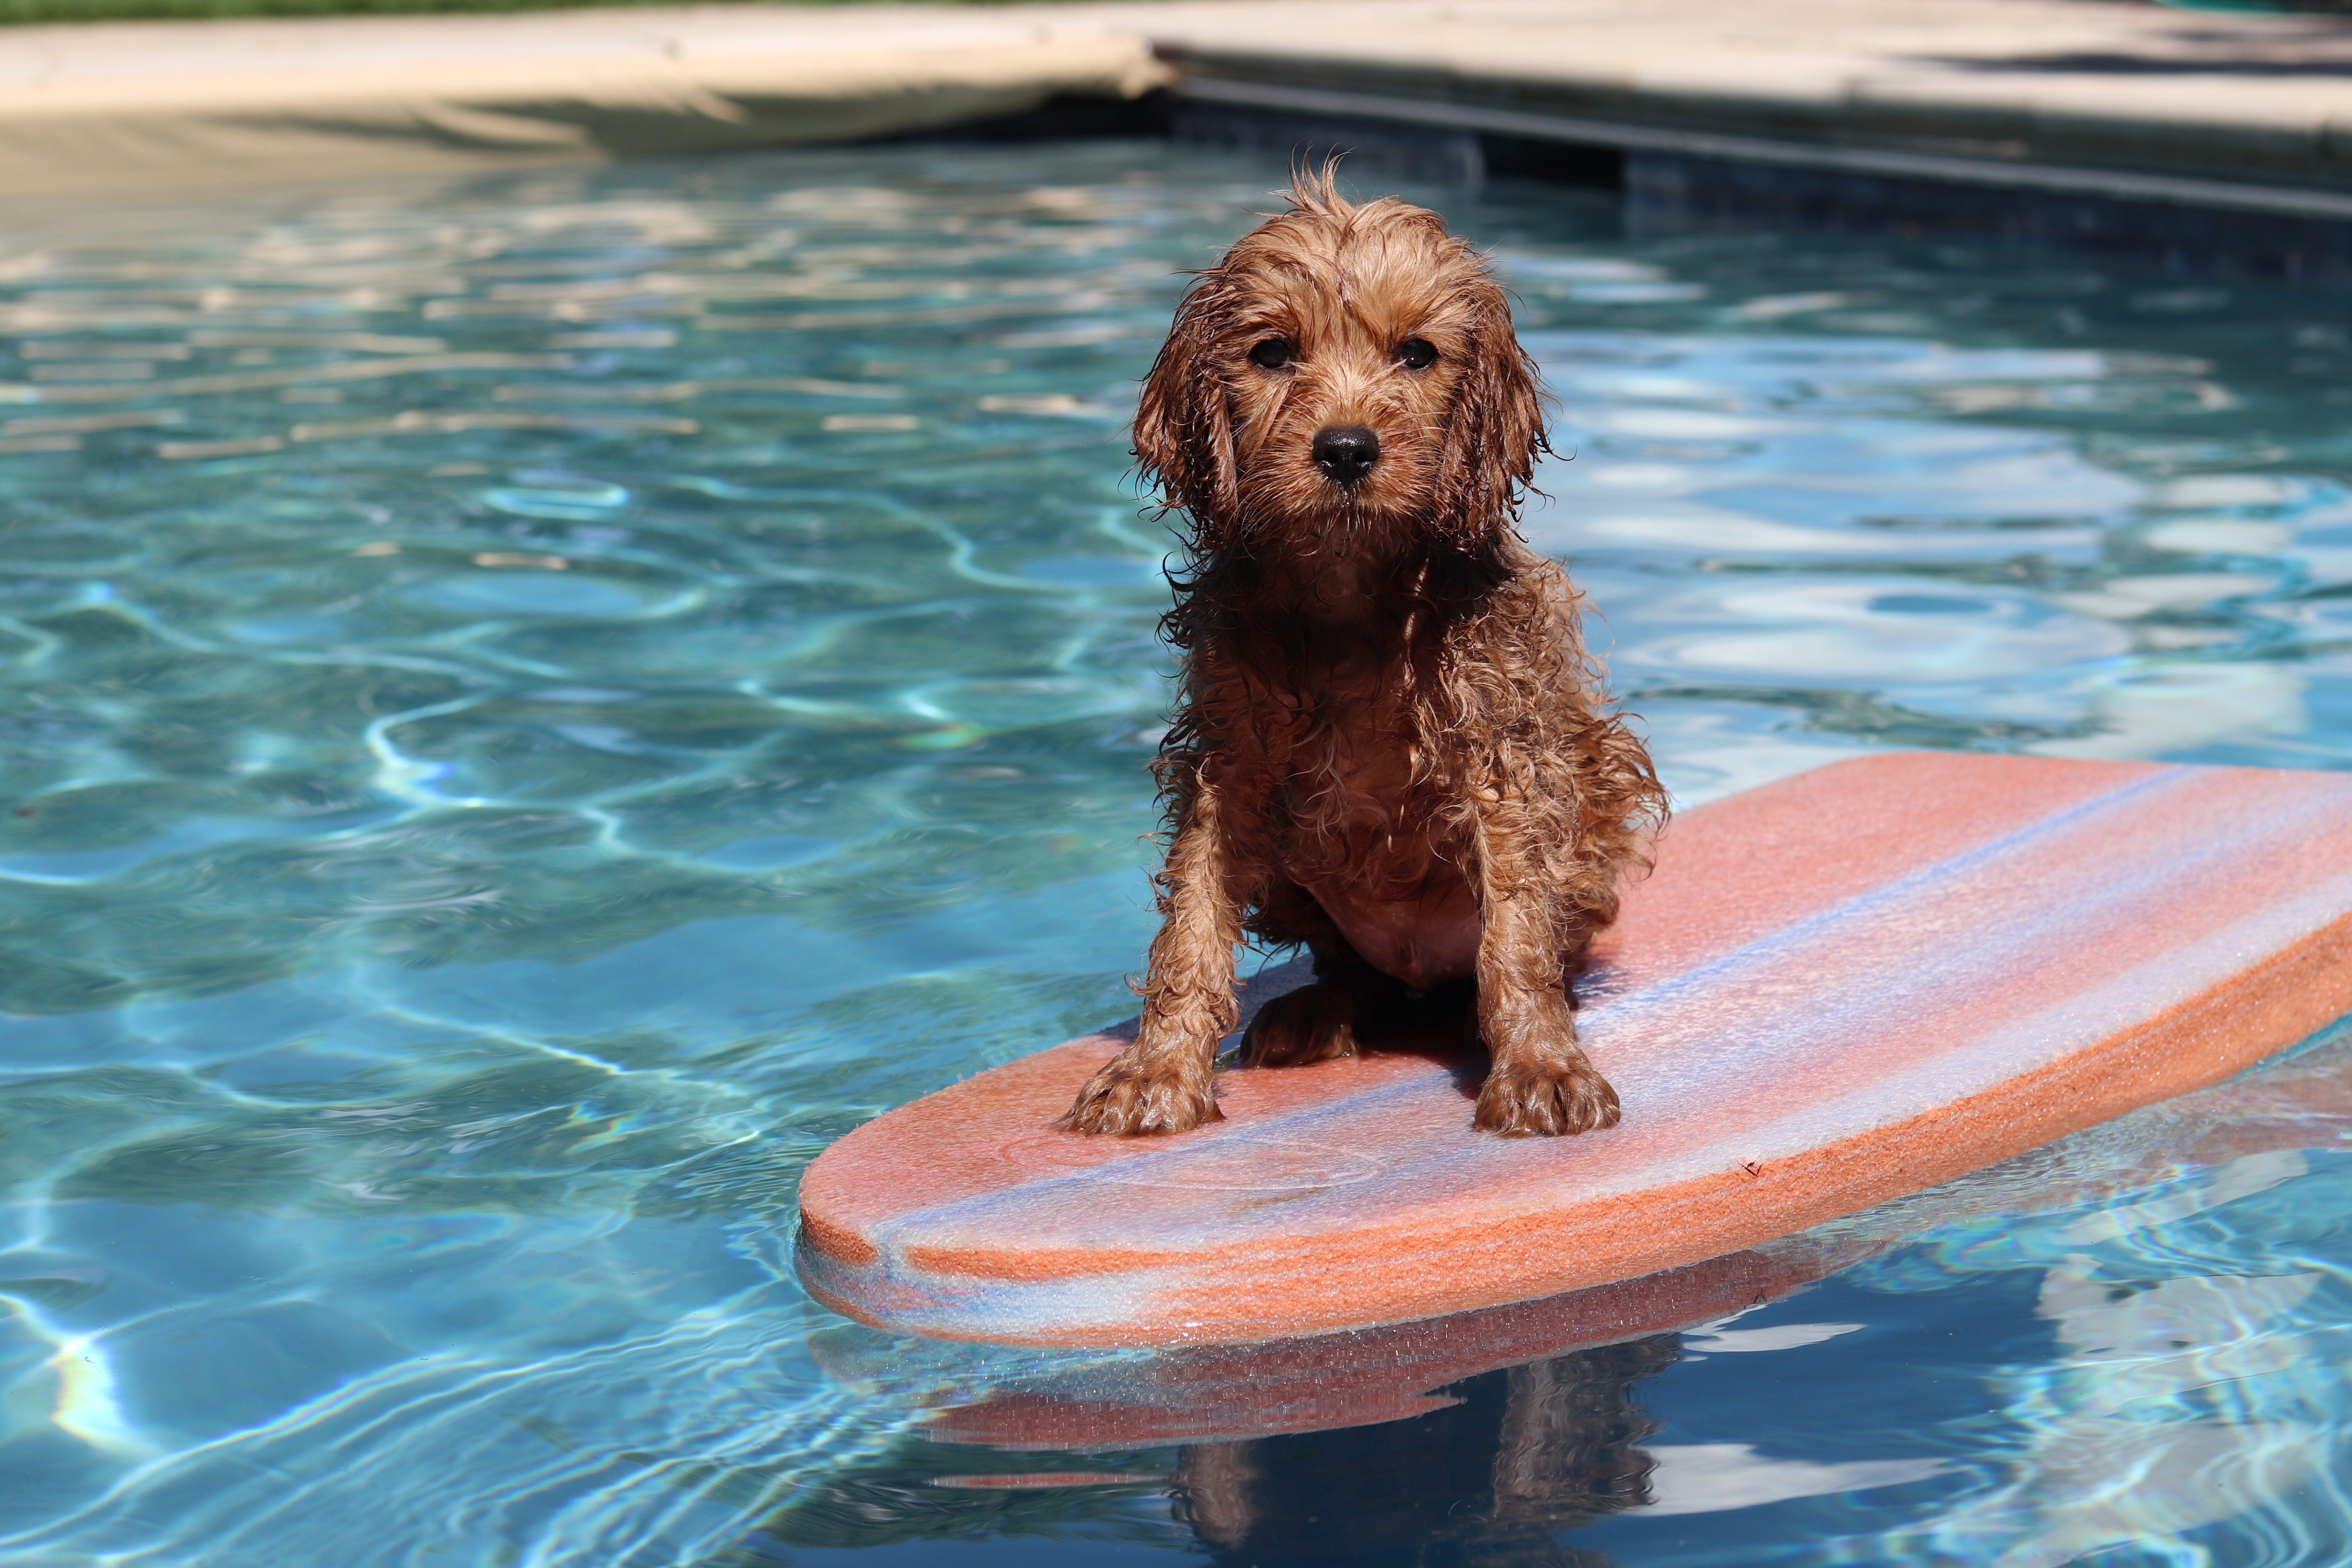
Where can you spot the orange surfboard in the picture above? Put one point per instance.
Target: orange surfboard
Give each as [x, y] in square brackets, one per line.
[1833, 990]
[1075, 1400]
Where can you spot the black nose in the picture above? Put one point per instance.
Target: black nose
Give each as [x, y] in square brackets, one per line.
[1346, 452]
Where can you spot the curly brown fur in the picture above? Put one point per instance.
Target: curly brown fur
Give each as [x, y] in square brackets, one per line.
[1389, 743]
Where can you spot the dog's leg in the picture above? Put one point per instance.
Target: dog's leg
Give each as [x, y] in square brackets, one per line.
[1211, 1487]
[1161, 1082]
[1317, 1023]
[1540, 1082]
[1568, 1452]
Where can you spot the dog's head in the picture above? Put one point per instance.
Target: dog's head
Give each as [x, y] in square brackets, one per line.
[1345, 375]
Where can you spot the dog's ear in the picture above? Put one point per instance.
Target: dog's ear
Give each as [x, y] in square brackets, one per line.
[1494, 434]
[1183, 430]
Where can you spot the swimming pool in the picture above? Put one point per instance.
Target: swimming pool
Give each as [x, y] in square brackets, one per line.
[535, 702]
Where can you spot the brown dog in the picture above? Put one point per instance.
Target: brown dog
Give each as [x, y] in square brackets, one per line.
[1389, 743]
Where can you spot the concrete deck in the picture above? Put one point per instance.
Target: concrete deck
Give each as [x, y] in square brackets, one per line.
[165, 105]
[2130, 99]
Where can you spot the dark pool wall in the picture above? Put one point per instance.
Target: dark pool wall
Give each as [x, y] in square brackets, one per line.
[1664, 193]
[1670, 193]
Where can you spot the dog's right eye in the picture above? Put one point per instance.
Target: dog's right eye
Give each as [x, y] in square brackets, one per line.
[1271, 354]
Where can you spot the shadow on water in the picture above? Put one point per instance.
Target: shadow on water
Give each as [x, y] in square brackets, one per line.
[1474, 1438]
[1524, 1455]
[1506, 1462]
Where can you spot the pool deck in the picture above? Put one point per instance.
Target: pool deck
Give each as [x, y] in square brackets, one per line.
[2131, 101]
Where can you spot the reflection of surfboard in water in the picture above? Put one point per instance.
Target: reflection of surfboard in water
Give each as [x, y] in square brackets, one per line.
[1834, 990]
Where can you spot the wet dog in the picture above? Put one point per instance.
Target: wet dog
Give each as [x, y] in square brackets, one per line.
[1390, 744]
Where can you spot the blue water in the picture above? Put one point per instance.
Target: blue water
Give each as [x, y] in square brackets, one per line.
[535, 702]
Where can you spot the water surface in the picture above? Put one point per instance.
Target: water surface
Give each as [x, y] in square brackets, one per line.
[535, 702]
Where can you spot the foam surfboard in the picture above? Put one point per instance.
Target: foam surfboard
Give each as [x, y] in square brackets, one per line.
[1833, 990]
[2173, 1158]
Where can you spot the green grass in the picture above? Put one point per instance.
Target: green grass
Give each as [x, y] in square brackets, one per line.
[25, 11]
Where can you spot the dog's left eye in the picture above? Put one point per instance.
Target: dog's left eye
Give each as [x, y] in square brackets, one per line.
[1271, 354]
[1416, 354]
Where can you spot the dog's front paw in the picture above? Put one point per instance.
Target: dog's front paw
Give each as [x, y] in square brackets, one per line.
[1313, 1024]
[1546, 1100]
[1124, 1098]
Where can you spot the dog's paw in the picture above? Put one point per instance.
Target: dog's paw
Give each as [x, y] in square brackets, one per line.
[1312, 1024]
[1545, 1100]
[1125, 1100]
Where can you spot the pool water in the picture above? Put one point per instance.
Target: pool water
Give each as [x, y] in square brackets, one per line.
[536, 701]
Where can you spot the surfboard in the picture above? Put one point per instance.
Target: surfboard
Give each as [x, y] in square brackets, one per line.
[2148, 1168]
[1832, 990]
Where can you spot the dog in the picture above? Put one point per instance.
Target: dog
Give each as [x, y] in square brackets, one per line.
[1389, 743]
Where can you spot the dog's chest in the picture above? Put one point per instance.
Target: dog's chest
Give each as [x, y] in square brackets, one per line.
[1366, 843]
[1347, 752]
[1360, 772]
[1352, 780]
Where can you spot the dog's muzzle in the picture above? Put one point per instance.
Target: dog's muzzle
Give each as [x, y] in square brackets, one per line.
[1346, 453]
